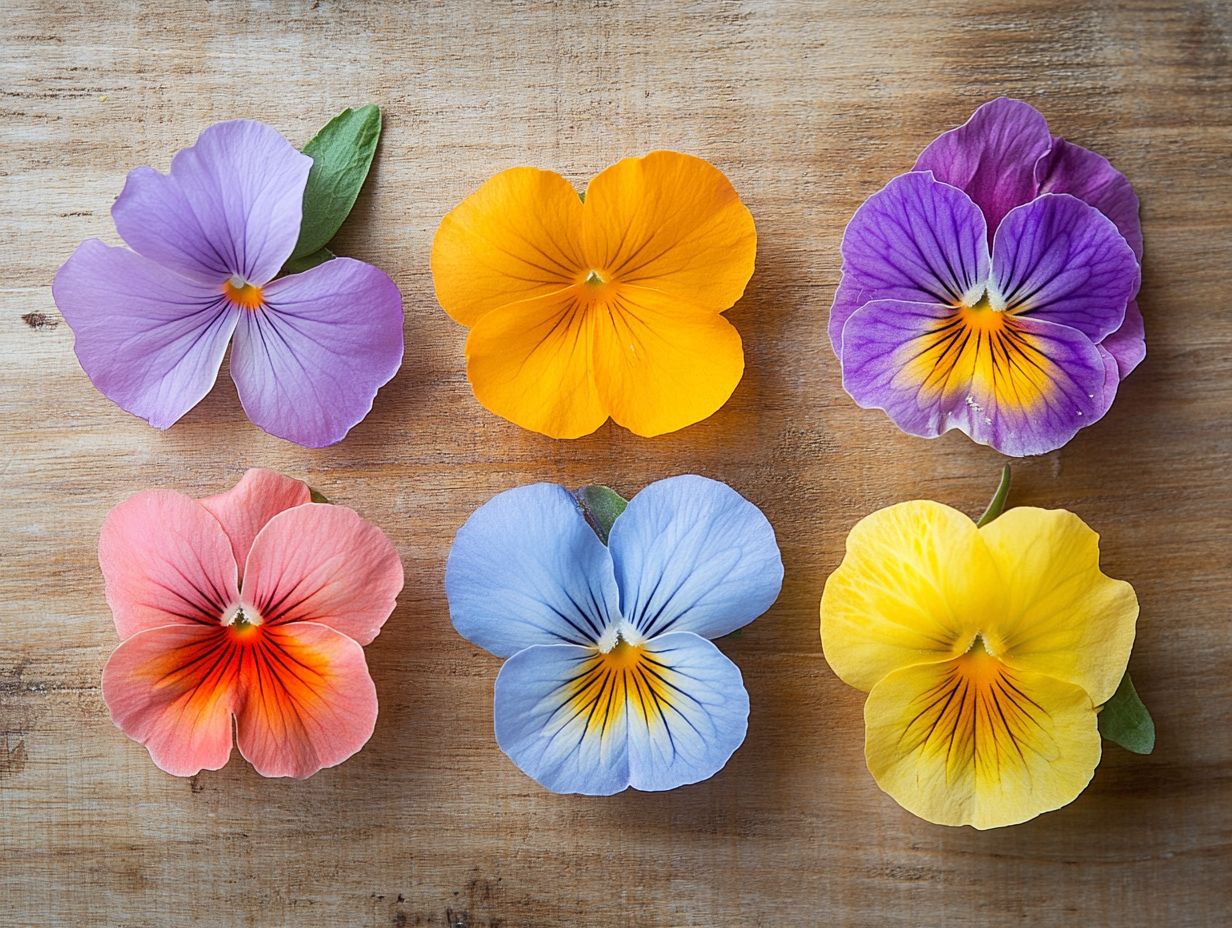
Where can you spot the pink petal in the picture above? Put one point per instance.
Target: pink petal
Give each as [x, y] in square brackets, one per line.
[324, 564]
[308, 363]
[166, 561]
[231, 204]
[150, 340]
[173, 689]
[259, 496]
[308, 700]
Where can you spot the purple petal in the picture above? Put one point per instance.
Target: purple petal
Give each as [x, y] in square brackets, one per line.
[308, 363]
[150, 340]
[1127, 345]
[992, 156]
[1061, 260]
[916, 240]
[1080, 172]
[231, 204]
[1022, 385]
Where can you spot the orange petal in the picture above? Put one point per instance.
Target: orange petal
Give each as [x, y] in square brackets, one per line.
[661, 363]
[533, 363]
[308, 701]
[244, 509]
[517, 236]
[172, 689]
[672, 222]
[324, 564]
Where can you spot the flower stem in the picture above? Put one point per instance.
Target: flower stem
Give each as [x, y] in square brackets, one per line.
[996, 505]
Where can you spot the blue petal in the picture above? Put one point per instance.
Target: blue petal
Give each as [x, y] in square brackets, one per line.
[526, 569]
[560, 716]
[692, 554]
[689, 712]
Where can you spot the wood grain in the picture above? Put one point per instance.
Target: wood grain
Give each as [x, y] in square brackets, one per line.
[808, 107]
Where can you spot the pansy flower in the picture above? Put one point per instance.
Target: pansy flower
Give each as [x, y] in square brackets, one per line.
[985, 652]
[248, 610]
[607, 305]
[611, 679]
[207, 240]
[992, 289]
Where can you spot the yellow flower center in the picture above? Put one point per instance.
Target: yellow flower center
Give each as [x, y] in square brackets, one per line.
[242, 294]
[608, 682]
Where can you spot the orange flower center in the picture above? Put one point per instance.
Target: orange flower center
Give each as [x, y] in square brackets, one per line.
[241, 624]
[242, 294]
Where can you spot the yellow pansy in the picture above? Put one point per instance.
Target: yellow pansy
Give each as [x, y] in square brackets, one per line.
[581, 308]
[985, 652]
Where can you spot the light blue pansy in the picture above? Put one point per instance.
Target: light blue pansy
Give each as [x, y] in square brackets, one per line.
[611, 680]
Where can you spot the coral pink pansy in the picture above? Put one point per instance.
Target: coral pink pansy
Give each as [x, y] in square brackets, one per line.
[252, 605]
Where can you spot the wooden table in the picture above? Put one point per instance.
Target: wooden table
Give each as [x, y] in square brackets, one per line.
[808, 108]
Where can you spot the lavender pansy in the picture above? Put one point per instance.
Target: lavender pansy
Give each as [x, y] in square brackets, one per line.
[207, 240]
[611, 680]
[992, 289]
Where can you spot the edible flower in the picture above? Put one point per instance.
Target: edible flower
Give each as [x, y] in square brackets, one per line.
[607, 305]
[250, 606]
[986, 652]
[152, 323]
[611, 680]
[992, 289]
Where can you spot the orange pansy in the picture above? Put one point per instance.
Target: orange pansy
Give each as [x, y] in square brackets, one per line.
[581, 308]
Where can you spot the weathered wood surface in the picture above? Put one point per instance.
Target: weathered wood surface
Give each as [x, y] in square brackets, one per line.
[808, 107]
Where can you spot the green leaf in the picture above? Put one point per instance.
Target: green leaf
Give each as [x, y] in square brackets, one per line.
[1124, 720]
[341, 154]
[316, 496]
[996, 505]
[298, 265]
[601, 505]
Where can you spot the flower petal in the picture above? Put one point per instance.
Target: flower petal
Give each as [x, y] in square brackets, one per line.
[232, 204]
[516, 237]
[693, 555]
[151, 341]
[1017, 383]
[561, 716]
[1080, 172]
[166, 561]
[992, 156]
[913, 588]
[526, 569]
[173, 689]
[662, 364]
[308, 364]
[308, 701]
[673, 223]
[916, 240]
[1128, 343]
[1060, 260]
[688, 712]
[1063, 616]
[968, 742]
[324, 564]
[244, 509]
[533, 363]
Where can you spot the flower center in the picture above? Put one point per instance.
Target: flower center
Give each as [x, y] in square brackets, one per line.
[241, 293]
[623, 656]
[982, 317]
[241, 623]
[594, 278]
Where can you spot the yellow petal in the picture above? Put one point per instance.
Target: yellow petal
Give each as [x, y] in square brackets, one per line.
[1063, 616]
[516, 237]
[914, 586]
[972, 742]
[674, 223]
[662, 364]
[532, 363]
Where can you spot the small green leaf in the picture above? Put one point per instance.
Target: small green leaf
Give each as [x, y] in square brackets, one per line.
[1124, 720]
[316, 496]
[601, 505]
[341, 154]
[299, 265]
[996, 505]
